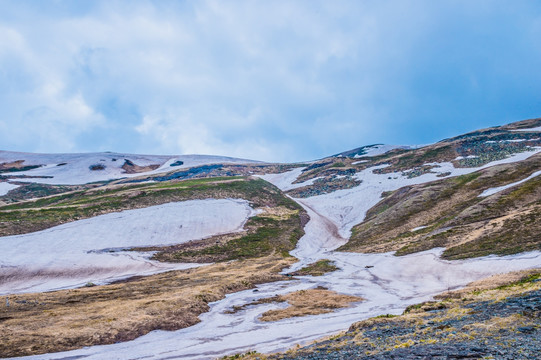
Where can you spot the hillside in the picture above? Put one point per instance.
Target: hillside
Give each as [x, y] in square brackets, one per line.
[497, 318]
[105, 248]
[454, 213]
[468, 214]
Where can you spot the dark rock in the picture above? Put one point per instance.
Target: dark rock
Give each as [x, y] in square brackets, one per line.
[526, 329]
[177, 163]
[97, 167]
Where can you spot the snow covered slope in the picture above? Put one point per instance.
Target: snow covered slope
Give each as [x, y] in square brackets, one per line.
[90, 250]
[388, 284]
[74, 169]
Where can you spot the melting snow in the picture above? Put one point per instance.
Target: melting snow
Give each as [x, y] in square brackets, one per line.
[89, 250]
[376, 150]
[285, 180]
[6, 187]
[495, 190]
[74, 169]
[388, 287]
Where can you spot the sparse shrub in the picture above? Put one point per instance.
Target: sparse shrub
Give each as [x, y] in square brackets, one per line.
[97, 167]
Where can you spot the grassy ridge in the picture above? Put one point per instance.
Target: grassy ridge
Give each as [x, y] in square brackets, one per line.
[29, 216]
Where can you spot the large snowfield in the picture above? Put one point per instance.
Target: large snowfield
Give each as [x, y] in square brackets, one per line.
[90, 250]
[388, 285]
[74, 169]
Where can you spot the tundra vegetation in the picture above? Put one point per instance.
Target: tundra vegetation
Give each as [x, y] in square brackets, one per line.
[449, 213]
[301, 303]
[497, 316]
[320, 267]
[68, 319]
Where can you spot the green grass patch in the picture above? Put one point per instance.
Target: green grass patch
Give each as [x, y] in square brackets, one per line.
[320, 267]
[526, 280]
[385, 316]
[265, 236]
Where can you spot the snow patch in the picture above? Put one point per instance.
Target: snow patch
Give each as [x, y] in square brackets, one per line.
[508, 141]
[6, 187]
[466, 157]
[75, 253]
[530, 129]
[285, 180]
[495, 190]
[376, 150]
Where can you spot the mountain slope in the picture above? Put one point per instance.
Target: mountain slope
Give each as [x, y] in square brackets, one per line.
[451, 213]
[475, 194]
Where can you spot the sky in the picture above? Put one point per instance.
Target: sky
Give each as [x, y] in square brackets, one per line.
[268, 80]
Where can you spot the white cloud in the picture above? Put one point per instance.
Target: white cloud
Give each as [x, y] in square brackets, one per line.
[280, 80]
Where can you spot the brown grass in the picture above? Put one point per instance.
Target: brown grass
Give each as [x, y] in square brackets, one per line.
[18, 164]
[69, 319]
[132, 168]
[491, 282]
[309, 302]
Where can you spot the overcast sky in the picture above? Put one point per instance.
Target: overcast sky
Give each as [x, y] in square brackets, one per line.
[267, 80]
